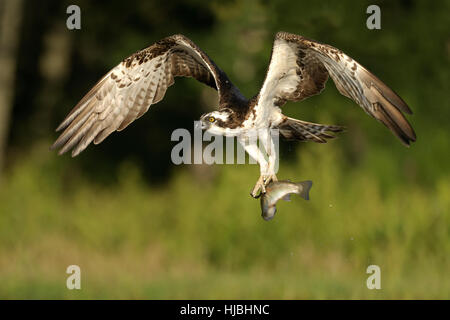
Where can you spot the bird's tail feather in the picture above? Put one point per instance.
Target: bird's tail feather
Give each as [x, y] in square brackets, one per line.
[293, 129]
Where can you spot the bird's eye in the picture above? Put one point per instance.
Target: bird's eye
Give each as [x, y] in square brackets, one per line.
[211, 119]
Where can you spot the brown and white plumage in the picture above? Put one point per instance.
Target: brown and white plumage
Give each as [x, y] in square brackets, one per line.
[126, 92]
[298, 69]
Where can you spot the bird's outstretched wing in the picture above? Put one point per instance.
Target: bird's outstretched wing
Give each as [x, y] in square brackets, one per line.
[127, 91]
[299, 68]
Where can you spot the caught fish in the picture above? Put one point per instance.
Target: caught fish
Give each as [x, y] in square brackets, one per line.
[281, 190]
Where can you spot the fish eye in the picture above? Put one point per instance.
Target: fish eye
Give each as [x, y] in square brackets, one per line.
[211, 119]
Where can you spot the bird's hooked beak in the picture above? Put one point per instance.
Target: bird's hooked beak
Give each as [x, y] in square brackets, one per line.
[200, 125]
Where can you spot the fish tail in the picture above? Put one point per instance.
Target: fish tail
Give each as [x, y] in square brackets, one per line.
[304, 188]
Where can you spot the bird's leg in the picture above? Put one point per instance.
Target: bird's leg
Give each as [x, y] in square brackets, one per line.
[270, 178]
[266, 176]
[272, 152]
[252, 149]
[270, 175]
[259, 186]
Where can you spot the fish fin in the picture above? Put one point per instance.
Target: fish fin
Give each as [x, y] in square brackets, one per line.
[287, 197]
[305, 187]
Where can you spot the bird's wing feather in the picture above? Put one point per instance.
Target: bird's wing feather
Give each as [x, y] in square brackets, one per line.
[299, 68]
[127, 91]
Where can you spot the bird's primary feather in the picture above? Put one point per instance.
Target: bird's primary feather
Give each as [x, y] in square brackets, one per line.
[299, 68]
[126, 92]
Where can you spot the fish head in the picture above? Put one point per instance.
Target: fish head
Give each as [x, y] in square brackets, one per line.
[268, 209]
[269, 213]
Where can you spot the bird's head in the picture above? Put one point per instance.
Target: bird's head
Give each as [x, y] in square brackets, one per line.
[216, 122]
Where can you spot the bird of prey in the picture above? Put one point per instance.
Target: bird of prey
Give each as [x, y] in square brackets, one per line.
[299, 68]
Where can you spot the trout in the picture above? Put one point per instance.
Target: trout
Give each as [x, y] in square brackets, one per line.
[281, 190]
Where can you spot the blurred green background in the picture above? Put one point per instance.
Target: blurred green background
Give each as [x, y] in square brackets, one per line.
[141, 227]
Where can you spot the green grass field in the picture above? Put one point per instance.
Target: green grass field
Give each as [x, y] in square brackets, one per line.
[206, 240]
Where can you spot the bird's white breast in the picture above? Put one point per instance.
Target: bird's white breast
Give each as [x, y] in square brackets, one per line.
[265, 116]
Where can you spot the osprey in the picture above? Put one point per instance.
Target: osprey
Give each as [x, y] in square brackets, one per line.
[299, 68]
